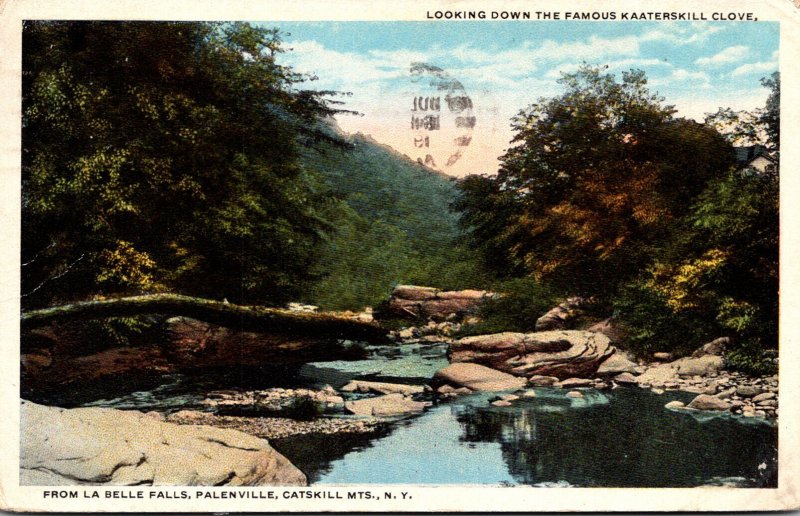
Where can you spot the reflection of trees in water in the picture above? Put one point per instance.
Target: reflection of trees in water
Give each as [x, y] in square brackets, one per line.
[314, 453]
[632, 441]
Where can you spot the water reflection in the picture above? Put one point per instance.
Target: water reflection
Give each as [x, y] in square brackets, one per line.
[630, 441]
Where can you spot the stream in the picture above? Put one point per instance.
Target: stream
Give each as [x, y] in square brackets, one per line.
[612, 438]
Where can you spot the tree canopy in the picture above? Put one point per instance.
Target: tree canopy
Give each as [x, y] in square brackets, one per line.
[595, 181]
[161, 156]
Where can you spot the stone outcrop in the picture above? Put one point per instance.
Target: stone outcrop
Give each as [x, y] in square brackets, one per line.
[558, 317]
[410, 301]
[382, 387]
[478, 378]
[98, 446]
[616, 364]
[563, 354]
[388, 405]
[716, 347]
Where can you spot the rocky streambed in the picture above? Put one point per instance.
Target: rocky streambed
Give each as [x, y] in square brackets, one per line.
[552, 408]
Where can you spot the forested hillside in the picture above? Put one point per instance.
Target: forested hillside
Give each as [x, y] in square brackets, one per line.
[394, 224]
[180, 157]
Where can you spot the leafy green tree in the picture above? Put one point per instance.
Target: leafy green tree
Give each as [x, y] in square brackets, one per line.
[163, 156]
[595, 184]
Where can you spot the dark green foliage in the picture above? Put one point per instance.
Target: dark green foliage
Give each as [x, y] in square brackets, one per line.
[162, 156]
[650, 325]
[523, 300]
[749, 358]
[392, 225]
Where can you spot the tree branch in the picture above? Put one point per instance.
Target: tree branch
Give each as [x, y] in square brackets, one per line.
[242, 318]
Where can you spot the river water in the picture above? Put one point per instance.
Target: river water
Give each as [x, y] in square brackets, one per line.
[612, 438]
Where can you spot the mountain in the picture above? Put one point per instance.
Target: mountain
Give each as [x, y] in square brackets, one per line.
[393, 223]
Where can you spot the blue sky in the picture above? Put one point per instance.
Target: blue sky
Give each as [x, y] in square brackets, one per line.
[504, 66]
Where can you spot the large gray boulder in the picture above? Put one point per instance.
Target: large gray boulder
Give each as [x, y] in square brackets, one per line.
[563, 354]
[99, 446]
[478, 378]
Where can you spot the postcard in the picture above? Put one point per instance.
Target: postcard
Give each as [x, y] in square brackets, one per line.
[273, 256]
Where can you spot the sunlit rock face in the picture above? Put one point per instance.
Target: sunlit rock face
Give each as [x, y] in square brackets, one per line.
[563, 354]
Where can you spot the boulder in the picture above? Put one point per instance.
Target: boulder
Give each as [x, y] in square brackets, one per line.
[478, 378]
[615, 364]
[748, 391]
[411, 301]
[501, 403]
[388, 405]
[703, 366]
[706, 402]
[575, 394]
[571, 383]
[542, 381]
[626, 379]
[662, 356]
[674, 405]
[382, 387]
[563, 354]
[414, 293]
[557, 318]
[100, 446]
[716, 347]
[764, 396]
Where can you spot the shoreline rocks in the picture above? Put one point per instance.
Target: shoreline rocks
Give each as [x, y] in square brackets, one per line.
[99, 446]
[277, 427]
[387, 405]
[477, 377]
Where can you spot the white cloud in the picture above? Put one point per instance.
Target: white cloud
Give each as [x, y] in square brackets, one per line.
[759, 67]
[679, 33]
[729, 55]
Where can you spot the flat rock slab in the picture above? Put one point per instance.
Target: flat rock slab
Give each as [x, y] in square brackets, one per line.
[382, 387]
[563, 354]
[479, 378]
[388, 405]
[100, 446]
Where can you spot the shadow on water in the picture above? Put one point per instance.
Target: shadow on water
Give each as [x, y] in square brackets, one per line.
[314, 453]
[175, 391]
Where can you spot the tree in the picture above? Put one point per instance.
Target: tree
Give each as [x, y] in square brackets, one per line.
[595, 184]
[163, 156]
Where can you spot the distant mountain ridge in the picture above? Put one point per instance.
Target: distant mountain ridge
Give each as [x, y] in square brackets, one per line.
[393, 220]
